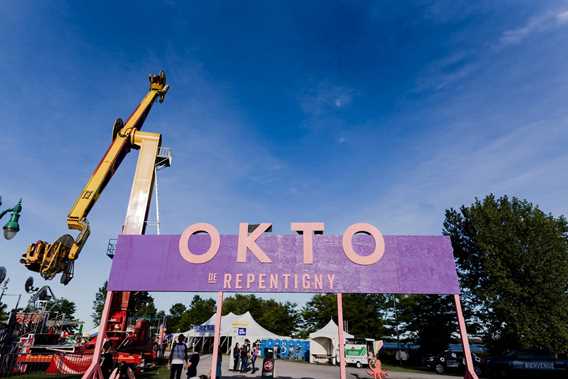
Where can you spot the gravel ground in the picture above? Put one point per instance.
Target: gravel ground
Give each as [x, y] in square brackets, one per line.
[298, 370]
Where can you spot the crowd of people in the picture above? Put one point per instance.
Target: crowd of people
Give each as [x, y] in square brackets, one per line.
[244, 357]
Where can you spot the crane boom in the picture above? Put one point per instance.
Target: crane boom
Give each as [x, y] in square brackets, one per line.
[59, 256]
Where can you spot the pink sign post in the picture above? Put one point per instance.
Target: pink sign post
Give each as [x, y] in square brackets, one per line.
[217, 338]
[341, 336]
[361, 260]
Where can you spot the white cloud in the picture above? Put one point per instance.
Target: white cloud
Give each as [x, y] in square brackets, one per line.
[562, 17]
[525, 162]
[446, 72]
[535, 24]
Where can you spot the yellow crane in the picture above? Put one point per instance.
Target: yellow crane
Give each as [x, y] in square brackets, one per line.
[50, 259]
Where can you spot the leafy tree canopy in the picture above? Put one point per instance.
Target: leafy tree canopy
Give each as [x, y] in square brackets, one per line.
[429, 319]
[279, 318]
[62, 306]
[199, 311]
[176, 312]
[99, 304]
[182, 318]
[140, 305]
[363, 314]
[513, 264]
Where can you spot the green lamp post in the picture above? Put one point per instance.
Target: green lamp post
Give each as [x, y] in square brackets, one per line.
[12, 227]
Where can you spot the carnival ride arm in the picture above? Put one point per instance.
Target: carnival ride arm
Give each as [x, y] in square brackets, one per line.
[49, 259]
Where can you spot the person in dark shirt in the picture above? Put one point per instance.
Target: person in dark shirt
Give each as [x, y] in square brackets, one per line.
[236, 355]
[192, 365]
[218, 371]
[254, 355]
[244, 357]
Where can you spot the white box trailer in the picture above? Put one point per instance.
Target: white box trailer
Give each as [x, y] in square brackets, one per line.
[357, 351]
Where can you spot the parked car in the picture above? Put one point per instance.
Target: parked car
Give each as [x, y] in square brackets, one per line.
[527, 364]
[451, 361]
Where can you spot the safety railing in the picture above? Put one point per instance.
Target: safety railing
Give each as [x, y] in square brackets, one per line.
[15, 363]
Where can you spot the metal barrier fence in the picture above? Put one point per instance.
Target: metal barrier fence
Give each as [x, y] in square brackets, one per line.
[15, 363]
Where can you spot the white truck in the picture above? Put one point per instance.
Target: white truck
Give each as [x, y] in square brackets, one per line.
[357, 351]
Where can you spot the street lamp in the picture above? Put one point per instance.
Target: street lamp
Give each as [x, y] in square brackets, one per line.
[12, 227]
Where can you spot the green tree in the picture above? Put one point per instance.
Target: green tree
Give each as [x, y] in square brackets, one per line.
[176, 312]
[279, 318]
[198, 312]
[62, 306]
[512, 260]
[160, 315]
[362, 312]
[99, 304]
[239, 304]
[283, 318]
[429, 319]
[140, 305]
[318, 311]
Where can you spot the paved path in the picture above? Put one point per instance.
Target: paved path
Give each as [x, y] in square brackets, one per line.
[298, 370]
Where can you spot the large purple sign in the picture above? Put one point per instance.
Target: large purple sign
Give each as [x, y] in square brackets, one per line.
[284, 263]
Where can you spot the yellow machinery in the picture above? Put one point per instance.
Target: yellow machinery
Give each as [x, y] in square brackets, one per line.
[50, 259]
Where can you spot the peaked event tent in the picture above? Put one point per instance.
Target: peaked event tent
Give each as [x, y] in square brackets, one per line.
[324, 343]
[233, 325]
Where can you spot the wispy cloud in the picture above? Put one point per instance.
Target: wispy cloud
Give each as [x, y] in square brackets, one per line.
[536, 24]
[325, 97]
[446, 72]
[464, 168]
[453, 69]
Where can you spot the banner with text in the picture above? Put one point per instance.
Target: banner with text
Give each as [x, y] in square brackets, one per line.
[282, 263]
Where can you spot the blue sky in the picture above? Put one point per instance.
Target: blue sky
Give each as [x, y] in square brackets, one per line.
[384, 112]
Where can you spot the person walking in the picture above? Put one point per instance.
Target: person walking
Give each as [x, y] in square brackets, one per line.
[192, 365]
[178, 357]
[244, 357]
[218, 372]
[236, 355]
[255, 352]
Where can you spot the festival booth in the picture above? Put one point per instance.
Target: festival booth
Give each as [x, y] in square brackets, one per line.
[287, 349]
[324, 344]
[234, 328]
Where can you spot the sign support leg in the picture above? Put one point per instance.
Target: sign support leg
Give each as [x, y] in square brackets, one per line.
[469, 369]
[94, 370]
[217, 338]
[341, 336]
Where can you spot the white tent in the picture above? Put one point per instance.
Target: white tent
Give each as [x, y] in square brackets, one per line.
[238, 327]
[324, 343]
[91, 333]
[232, 325]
